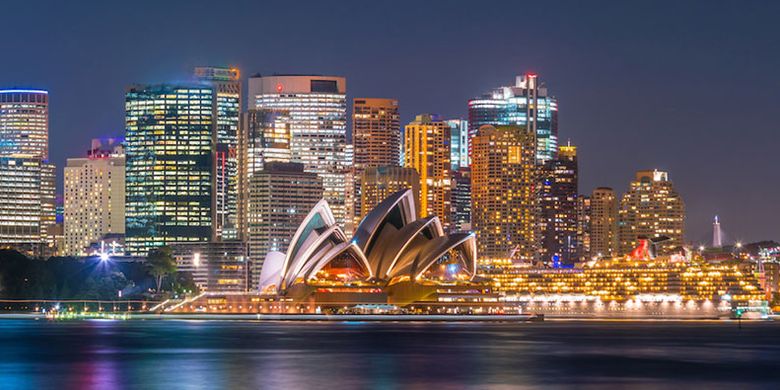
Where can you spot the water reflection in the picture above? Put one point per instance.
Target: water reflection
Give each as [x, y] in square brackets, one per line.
[287, 355]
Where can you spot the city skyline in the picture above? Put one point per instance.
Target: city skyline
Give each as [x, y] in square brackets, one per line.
[634, 124]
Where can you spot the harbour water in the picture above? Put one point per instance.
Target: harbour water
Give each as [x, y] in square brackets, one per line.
[195, 354]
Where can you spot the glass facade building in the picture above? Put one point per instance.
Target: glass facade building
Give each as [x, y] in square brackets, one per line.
[318, 127]
[459, 144]
[527, 104]
[170, 178]
[24, 122]
[558, 200]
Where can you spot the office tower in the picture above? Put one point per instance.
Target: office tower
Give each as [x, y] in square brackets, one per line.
[226, 105]
[376, 134]
[20, 204]
[94, 196]
[264, 136]
[24, 122]
[583, 228]
[527, 104]
[169, 174]
[653, 209]
[318, 124]
[427, 149]
[217, 266]
[280, 196]
[376, 139]
[504, 197]
[558, 201]
[24, 136]
[461, 200]
[378, 183]
[459, 143]
[603, 223]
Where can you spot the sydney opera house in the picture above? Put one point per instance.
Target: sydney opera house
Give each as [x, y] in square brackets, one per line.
[394, 260]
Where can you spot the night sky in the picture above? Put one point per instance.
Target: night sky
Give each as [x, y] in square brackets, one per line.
[688, 87]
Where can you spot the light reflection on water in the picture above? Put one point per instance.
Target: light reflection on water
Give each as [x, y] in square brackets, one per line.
[290, 355]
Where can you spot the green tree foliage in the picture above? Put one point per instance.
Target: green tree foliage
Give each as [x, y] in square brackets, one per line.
[161, 264]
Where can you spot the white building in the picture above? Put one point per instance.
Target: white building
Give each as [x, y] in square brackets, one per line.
[94, 196]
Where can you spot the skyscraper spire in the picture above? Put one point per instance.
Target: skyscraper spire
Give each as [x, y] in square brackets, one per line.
[716, 234]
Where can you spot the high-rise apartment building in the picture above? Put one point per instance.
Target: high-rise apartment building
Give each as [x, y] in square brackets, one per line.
[527, 104]
[24, 137]
[24, 122]
[651, 208]
[427, 149]
[318, 126]
[459, 143]
[603, 223]
[280, 196]
[94, 198]
[558, 207]
[461, 200]
[226, 105]
[170, 180]
[504, 195]
[378, 183]
[376, 139]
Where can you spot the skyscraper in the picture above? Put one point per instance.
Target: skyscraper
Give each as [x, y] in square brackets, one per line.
[603, 223]
[318, 127]
[504, 195]
[717, 239]
[459, 144]
[376, 138]
[24, 122]
[583, 227]
[24, 137]
[226, 106]
[527, 104]
[651, 209]
[94, 196]
[379, 183]
[280, 196]
[558, 199]
[20, 204]
[170, 183]
[461, 200]
[427, 149]
[264, 137]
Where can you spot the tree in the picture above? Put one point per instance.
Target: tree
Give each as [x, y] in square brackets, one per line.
[161, 264]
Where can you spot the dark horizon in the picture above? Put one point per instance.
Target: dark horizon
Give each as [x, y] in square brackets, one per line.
[686, 88]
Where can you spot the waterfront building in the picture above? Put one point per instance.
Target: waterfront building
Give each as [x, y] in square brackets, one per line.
[94, 196]
[170, 179]
[558, 201]
[24, 122]
[378, 183]
[527, 104]
[226, 105]
[376, 139]
[461, 200]
[427, 149]
[218, 266]
[279, 196]
[603, 223]
[318, 125]
[653, 209]
[504, 196]
[264, 137]
[459, 143]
